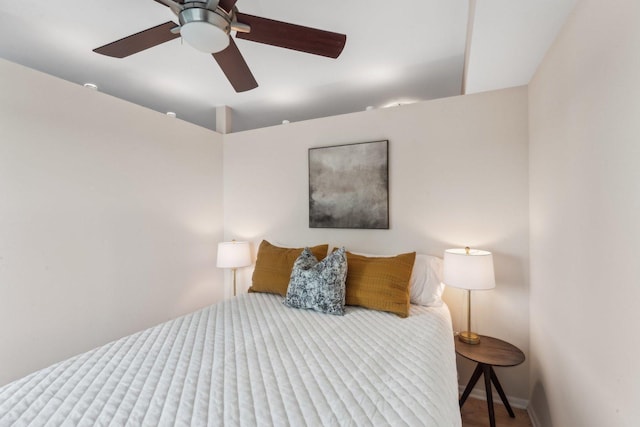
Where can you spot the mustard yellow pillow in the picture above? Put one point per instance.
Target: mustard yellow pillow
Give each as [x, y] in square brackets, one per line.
[380, 283]
[274, 265]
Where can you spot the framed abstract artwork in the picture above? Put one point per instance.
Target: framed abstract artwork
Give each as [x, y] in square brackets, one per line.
[349, 186]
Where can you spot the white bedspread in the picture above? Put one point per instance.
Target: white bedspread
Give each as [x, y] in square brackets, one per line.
[252, 361]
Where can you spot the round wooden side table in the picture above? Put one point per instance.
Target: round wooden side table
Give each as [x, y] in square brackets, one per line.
[488, 353]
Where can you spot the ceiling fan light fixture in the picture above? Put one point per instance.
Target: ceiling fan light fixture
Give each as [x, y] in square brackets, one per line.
[205, 30]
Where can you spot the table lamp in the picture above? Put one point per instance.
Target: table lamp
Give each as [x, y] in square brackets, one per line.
[470, 269]
[233, 255]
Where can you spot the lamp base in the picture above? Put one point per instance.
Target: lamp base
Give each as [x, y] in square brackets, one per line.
[469, 337]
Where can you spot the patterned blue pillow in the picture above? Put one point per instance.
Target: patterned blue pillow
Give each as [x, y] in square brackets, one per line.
[317, 285]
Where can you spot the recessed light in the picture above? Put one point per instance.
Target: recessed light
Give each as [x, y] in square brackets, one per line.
[400, 102]
[171, 114]
[285, 122]
[91, 86]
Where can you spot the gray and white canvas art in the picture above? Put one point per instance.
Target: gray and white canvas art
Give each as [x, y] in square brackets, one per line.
[349, 186]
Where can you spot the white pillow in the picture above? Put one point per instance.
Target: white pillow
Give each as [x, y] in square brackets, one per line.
[426, 285]
[426, 281]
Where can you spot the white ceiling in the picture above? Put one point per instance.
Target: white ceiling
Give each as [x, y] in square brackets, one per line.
[401, 51]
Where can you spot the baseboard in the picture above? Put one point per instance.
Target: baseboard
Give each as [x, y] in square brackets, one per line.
[535, 422]
[479, 393]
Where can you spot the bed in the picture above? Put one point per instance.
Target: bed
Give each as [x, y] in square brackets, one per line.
[251, 361]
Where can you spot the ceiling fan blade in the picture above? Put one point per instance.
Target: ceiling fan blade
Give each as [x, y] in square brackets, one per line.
[212, 4]
[235, 68]
[227, 4]
[291, 36]
[140, 41]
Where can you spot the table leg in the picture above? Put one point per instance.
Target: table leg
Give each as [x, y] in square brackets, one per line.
[486, 370]
[496, 383]
[472, 382]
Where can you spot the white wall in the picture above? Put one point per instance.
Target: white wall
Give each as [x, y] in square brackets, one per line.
[110, 212]
[458, 176]
[109, 217]
[584, 105]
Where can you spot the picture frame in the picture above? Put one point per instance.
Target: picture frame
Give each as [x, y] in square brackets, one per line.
[349, 186]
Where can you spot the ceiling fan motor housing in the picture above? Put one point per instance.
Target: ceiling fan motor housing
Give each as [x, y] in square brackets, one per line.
[204, 29]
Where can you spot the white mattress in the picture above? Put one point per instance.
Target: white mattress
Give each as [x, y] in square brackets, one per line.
[252, 361]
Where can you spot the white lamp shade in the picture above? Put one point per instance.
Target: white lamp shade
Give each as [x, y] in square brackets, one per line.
[233, 254]
[204, 36]
[473, 270]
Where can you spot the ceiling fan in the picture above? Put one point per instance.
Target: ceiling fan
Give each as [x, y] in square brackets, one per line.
[207, 24]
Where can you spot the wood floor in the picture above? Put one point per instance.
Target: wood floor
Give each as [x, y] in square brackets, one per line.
[475, 414]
